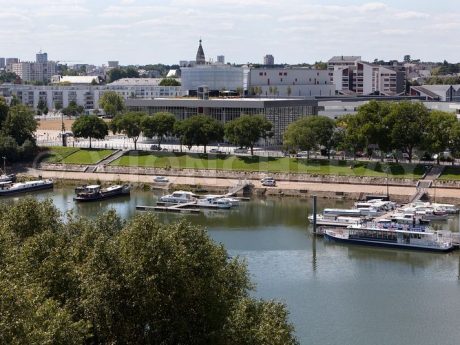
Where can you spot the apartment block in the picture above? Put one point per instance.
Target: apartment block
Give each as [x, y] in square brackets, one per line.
[289, 82]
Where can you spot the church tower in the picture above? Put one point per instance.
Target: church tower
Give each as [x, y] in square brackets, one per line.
[200, 58]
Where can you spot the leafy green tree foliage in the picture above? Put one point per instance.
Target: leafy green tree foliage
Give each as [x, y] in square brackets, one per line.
[73, 109]
[159, 125]
[438, 131]
[119, 73]
[41, 106]
[200, 130]
[4, 108]
[106, 281]
[454, 142]
[352, 140]
[130, 124]
[407, 126]
[169, 82]
[90, 126]
[309, 133]
[8, 77]
[112, 103]
[369, 125]
[246, 130]
[20, 124]
[14, 101]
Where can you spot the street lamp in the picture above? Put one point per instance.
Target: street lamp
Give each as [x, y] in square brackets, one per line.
[4, 165]
[388, 187]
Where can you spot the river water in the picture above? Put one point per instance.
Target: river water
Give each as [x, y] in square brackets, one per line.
[336, 294]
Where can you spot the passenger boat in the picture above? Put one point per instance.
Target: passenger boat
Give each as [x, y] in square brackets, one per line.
[178, 197]
[341, 212]
[233, 201]
[339, 221]
[8, 178]
[392, 236]
[96, 193]
[214, 202]
[8, 188]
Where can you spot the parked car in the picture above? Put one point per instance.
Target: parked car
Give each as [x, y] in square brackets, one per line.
[269, 183]
[216, 151]
[160, 179]
[302, 154]
[155, 148]
[267, 178]
[240, 150]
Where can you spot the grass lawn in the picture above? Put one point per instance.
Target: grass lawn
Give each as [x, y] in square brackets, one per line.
[270, 164]
[58, 153]
[86, 156]
[450, 174]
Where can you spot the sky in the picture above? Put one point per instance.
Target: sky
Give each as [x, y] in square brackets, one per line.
[167, 31]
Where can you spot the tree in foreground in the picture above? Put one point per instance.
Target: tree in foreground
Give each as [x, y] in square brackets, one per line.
[90, 126]
[199, 130]
[246, 130]
[112, 103]
[130, 124]
[106, 281]
[159, 125]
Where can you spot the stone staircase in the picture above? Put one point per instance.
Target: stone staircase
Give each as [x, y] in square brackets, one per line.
[117, 154]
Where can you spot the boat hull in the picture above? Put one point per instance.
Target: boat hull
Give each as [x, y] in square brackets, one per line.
[102, 195]
[26, 190]
[387, 244]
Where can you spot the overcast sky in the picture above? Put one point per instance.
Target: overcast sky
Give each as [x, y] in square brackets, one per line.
[166, 31]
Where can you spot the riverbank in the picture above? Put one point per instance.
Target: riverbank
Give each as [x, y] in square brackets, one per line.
[285, 188]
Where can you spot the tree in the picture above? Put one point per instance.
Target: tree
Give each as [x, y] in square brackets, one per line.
[20, 124]
[105, 281]
[130, 124]
[169, 82]
[90, 126]
[310, 132]
[112, 103]
[73, 109]
[438, 132]
[14, 101]
[289, 91]
[41, 105]
[320, 65]
[246, 130]
[454, 142]
[4, 108]
[407, 122]
[200, 130]
[350, 137]
[159, 125]
[57, 106]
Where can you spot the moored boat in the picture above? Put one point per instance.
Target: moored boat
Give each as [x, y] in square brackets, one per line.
[95, 192]
[178, 197]
[8, 178]
[214, 202]
[8, 188]
[392, 236]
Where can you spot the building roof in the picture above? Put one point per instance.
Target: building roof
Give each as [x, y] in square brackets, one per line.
[137, 81]
[343, 58]
[78, 79]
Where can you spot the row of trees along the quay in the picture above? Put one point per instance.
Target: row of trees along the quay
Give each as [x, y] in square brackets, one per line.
[384, 126]
[17, 128]
[73, 280]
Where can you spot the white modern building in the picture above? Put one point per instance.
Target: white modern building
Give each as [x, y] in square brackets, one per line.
[289, 82]
[88, 95]
[352, 77]
[216, 77]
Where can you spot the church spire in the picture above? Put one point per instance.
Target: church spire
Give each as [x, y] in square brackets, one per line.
[200, 58]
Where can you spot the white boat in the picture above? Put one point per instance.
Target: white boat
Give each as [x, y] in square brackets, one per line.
[178, 197]
[8, 188]
[233, 201]
[449, 208]
[341, 212]
[339, 221]
[392, 236]
[214, 202]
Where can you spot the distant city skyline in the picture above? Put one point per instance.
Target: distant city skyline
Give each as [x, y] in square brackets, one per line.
[167, 31]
